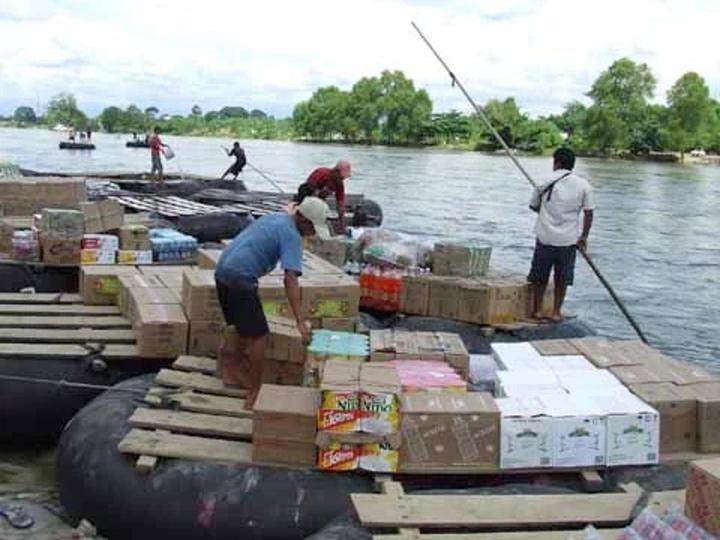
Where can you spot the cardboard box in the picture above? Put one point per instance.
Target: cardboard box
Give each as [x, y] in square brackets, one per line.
[56, 251]
[678, 410]
[204, 338]
[161, 330]
[134, 257]
[6, 236]
[340, 386]
[455, 352]
[379, 405]
[332, 250]
[62, 224]
[445, 431]
[526, 434]
[135, 238]
[285, 341]
[330, 296]
[464, 260]
[284, 373]
[444, 299]
[28, 195]
[171, 276]
[102, 216]
[199, 296]
[702, 500]
[415, 295]
[494, 300]
[286, 412]
[633, 430]
[518, 357]
[102, 242]
[338, 324]
[96, 256]
[284, 451]
[99, 285]
[207, 259]
[132, 281]
[708, 401]
[607, 354]
[273, 297]
[523, 383]
[139, 296]
[568, 362]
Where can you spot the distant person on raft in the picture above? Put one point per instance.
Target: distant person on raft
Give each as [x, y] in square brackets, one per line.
[325, 180]
[156, 146]
[558, 203]
[240, 160]
[252, 254]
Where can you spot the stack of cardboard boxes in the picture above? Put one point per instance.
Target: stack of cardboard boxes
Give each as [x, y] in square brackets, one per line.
[135, 247]
[285, 355]
[462, 260]
[702, 500]
[333, 250]
[329, 345]
[202, 307]
[27, 196]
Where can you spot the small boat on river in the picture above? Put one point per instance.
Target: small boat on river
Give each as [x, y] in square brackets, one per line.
[70, 145]
[137, 144]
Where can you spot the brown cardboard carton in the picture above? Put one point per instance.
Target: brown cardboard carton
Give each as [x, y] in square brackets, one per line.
[138, 296]
[161, 330]
[444, 299]
[135, 238]
[273, 297]
[455, 351]
[60, 251]
[508, 301]
[325, 439]
[283, 373]
[27, 196]
[332, 250]
[204, 338]
[415, 295]
[463, 260]
[285, 341]
[102, 216]
[285, 451]
[641, 374]
[199, 296]
[606, 354]
[702, 500]
[678, 414]
[132, 281]
[330, 296]
[708, 397]
[207, 259]
[446, 430]
[474, 302]
[99, 285]
[6, 235]
[286, 412]
[314, 265]
[338, 324]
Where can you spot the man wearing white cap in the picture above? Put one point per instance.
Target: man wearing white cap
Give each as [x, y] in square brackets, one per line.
[324, 180]
[252, 254]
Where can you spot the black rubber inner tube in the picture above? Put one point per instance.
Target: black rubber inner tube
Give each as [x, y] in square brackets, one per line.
[183, 499]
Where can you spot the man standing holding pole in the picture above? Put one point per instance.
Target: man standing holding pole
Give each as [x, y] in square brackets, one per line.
[559, 203]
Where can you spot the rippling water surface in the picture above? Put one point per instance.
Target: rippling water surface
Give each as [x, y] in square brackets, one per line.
[655, 235]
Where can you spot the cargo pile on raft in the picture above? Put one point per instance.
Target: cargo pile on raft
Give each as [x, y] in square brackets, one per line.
[395, 400]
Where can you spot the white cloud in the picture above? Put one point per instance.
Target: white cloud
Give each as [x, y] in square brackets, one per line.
[271, 54]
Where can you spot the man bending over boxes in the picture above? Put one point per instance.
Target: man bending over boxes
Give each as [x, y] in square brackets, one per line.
[252, 254]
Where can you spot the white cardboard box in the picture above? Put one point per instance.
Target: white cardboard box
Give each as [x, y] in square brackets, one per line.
[591, 383]
[518, 356]
[527, 383]
[579, 431]
[574, 362]
[633, 430]
[525, 434]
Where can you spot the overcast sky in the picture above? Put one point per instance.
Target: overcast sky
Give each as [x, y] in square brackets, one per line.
[270, 54]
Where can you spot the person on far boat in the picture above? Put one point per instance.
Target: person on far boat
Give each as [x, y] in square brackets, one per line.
[558, 203]
[253, 253]
[71, 135]
[88, 132]
[325, 180]
[240, 160]
[135, 138]
[156, 146]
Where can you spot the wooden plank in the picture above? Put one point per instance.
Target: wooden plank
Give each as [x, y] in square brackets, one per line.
[197, 381]
[66, 321]
[32, 298]
[592, 481]
[64, 350]
[199, 364]
[519, 511]
[604, 534]
[61, 335]
[145, 464]
[203, 403]
[172, 445]
[193, 423]
[56, 309]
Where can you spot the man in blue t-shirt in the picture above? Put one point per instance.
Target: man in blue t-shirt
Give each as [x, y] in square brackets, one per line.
[252, 254]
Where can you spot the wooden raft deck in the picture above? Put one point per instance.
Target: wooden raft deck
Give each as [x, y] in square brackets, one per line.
[50, 325]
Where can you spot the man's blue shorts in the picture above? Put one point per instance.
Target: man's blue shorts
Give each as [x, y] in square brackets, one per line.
[546, 257]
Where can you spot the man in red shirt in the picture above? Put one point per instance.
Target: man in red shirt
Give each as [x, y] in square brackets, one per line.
[324, 180]
[156, 146]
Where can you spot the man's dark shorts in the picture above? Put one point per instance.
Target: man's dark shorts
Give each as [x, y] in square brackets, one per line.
[242, 308]
[545, 258]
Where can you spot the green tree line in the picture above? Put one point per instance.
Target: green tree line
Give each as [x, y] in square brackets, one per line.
[616, 117]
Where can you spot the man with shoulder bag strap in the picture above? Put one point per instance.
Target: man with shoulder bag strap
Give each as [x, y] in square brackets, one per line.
[558, 204]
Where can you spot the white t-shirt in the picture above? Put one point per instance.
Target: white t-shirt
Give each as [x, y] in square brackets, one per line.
[558, 222]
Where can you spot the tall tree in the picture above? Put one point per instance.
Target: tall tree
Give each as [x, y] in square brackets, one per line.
[196, 110]
[63, 109]
[110, 118]
[25, 115]
[151, 112]
[234, 112]
[405, 111]
[689, 104]
[365, 106]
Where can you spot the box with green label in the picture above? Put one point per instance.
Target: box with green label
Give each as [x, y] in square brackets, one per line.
[330, 296]
[99, 285]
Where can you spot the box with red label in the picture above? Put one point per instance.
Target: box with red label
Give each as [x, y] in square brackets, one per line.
[339, 457]
[103, 242]
[339, 408]
[702, 500]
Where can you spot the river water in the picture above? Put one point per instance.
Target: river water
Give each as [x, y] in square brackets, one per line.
[655, 235]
